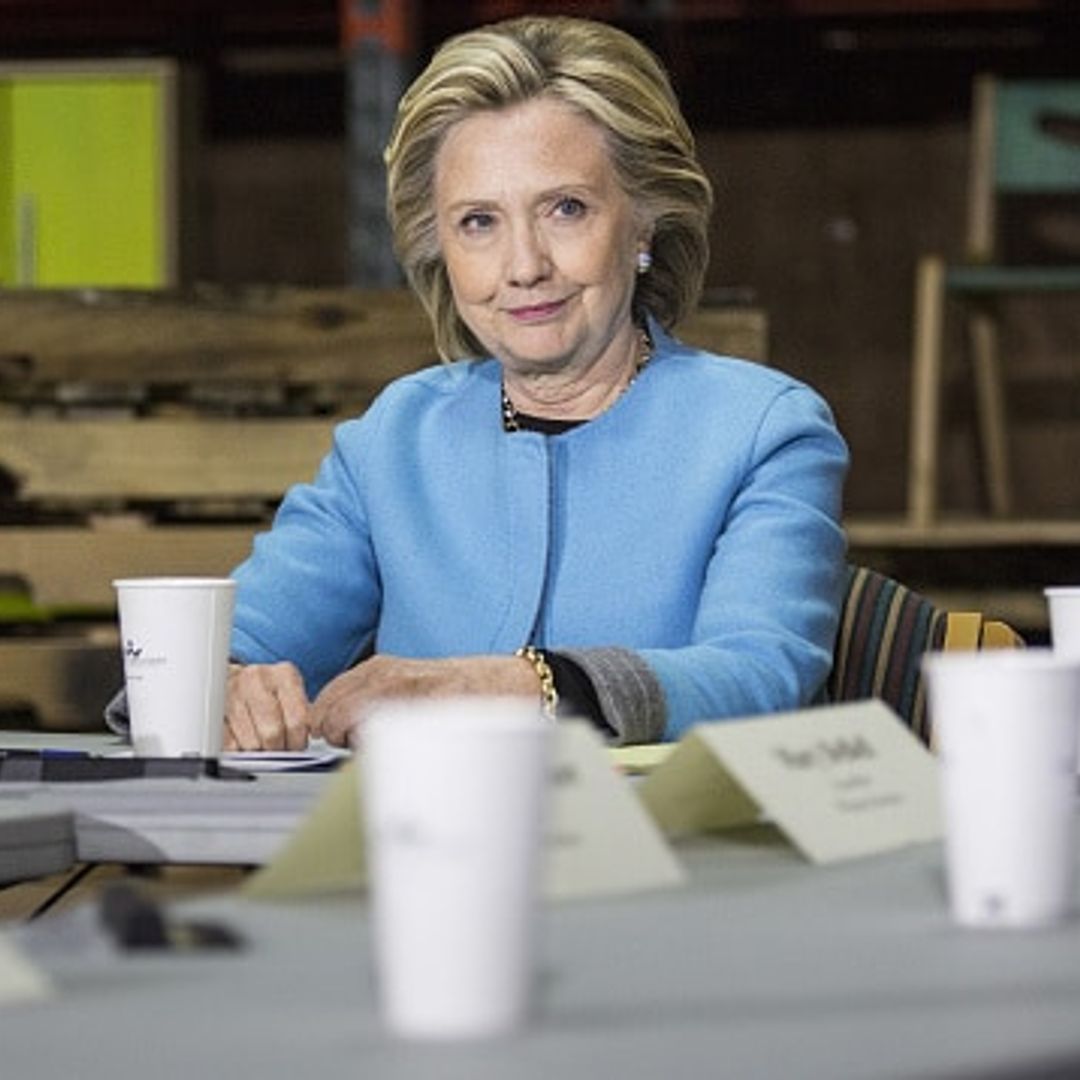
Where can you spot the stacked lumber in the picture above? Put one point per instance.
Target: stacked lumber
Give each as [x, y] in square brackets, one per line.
[155, 433]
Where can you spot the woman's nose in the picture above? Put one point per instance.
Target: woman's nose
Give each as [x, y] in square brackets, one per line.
[527, 260]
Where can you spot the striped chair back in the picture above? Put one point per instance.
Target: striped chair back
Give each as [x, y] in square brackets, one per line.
[885, 628]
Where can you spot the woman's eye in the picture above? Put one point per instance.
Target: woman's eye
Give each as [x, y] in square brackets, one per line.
[477, 221]
[569, 207]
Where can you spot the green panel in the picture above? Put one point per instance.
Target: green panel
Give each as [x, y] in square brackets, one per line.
[7, 179]
[1030, 158]
[17, 607]
[88, 179]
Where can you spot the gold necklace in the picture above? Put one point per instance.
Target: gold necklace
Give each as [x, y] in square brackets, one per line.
[511, 417]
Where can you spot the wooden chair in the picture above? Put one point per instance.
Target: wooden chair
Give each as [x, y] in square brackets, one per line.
[1025, 141]
[885, 629]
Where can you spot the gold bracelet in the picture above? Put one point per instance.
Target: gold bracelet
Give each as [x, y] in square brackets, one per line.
[549, 696]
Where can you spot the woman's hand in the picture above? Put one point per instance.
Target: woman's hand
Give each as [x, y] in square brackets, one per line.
[266, 708]
[349, 699]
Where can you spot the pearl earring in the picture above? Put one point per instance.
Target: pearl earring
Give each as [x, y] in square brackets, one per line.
[644, 262]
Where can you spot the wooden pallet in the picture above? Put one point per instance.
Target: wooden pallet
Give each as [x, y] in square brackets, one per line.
[82, 463]
[154, 433]
[65, 682]
[351, 339]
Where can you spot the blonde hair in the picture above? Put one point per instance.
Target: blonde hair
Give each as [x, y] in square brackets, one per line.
[607, 76]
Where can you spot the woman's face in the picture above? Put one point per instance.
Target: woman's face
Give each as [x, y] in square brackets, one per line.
[540, 241]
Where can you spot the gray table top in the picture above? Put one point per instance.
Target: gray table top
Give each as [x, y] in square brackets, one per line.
[93, 742]
[764, 966]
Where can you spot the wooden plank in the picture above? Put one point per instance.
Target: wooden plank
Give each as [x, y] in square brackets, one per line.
[73, 568]
[981, 240]
[991, 412]
[927, 375]
[160, 459]
[287, 336]
[728, 331]
[887, 532]
[65, 681]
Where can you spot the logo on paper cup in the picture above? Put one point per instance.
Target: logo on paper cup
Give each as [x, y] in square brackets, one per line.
[133, 656]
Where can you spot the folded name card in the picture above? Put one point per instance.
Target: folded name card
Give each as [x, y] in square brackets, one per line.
[838, 781]
[599, 840]
[20, 980]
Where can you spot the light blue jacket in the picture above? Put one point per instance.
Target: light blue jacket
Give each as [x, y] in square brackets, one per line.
[696, 523]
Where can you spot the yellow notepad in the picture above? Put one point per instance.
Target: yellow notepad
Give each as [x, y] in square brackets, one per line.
[639, 760]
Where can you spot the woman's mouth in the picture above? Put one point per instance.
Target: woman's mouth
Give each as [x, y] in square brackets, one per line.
[531, 313]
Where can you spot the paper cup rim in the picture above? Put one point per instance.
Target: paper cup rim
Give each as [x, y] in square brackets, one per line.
[173, 582]
[1029, 659]
[1061, 590]
[483, 714]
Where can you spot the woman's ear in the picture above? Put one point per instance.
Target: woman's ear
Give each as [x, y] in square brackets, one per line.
[645, 233]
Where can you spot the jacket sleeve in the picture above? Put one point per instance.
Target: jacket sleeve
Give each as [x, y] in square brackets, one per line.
[769, 606]
[309, 591]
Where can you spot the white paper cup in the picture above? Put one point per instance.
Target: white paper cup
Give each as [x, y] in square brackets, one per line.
[1007, 730]
[175, 637]
[1064, 604]
[454, 794]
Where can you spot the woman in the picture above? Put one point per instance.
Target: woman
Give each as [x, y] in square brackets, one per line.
[578, 507]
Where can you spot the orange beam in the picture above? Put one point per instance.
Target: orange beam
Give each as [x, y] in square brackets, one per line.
[390, 23]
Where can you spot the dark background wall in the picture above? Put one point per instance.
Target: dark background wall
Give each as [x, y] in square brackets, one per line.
[837, 143]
